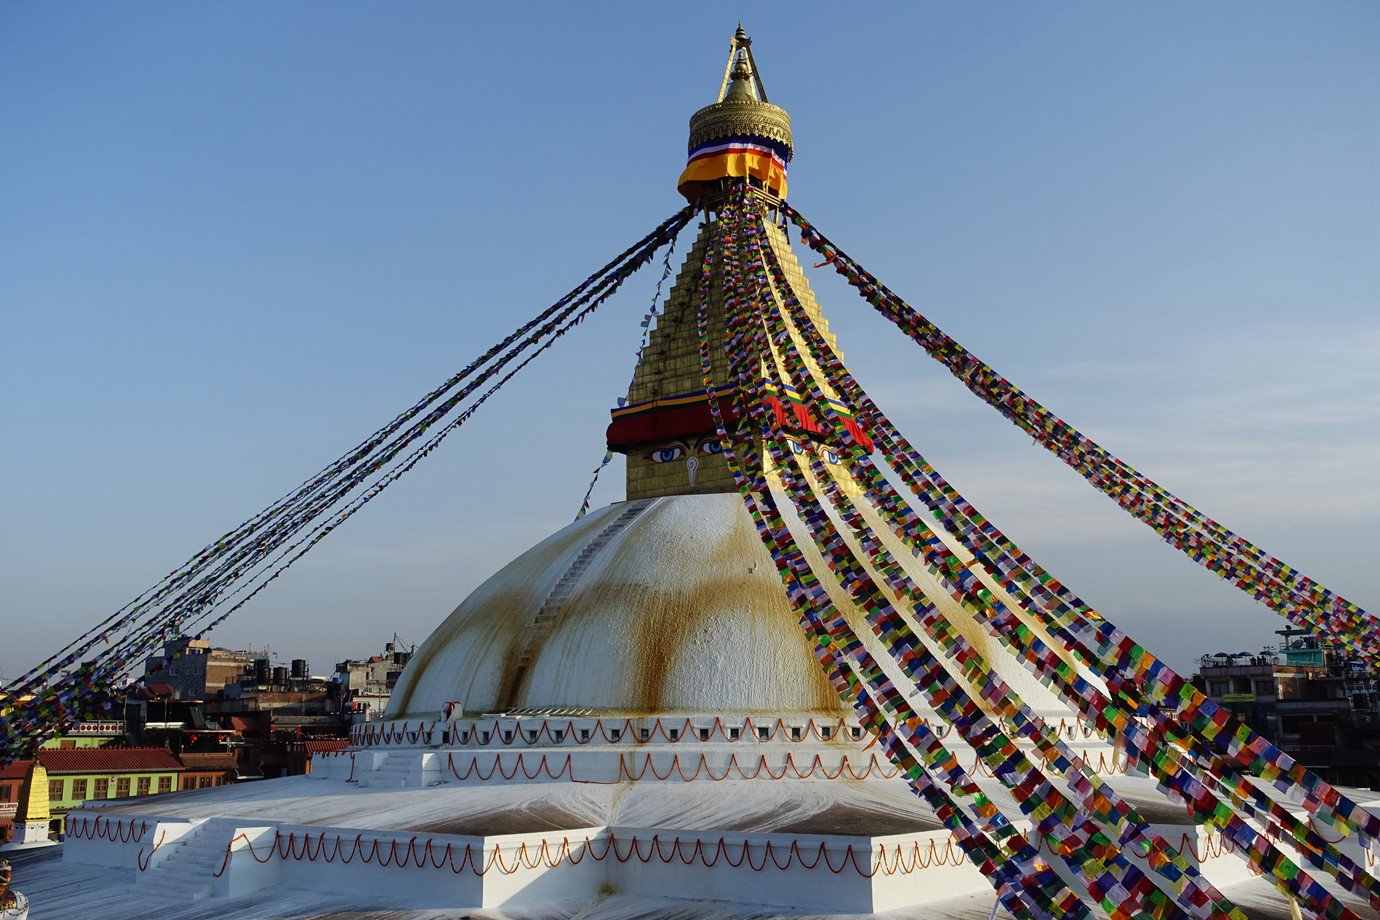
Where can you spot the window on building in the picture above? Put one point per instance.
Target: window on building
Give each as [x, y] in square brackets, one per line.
[79, 789]
[5, 793]
[764, 733]
[1264, 688]
[144, 785]
[733, 734]
[584, 735]
[188, 782]
[204, 782]
[615, 734]
[795, 732]
[66, 745]
[704, 734]
[165, 784]
[122, 787]
[102, 789]
[1218, 688]
[826, 732]
[55, 789]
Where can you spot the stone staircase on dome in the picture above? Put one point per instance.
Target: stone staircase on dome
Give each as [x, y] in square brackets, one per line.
[548, 613]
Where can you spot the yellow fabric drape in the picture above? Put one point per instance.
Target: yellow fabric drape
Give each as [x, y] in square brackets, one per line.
[736, 163]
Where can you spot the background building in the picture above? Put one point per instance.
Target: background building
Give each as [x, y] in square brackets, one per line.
[365, 686]
[1316, 703]
[79, 775]
[12, 779]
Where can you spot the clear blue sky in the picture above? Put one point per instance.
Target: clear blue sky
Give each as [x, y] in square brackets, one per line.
[235, 238]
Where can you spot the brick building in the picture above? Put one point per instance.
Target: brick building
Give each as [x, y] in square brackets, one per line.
[12, 779]
[194, 670]
[204, 770]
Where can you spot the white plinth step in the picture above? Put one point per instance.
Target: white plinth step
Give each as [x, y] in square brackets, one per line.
[185, 868]
[175, 883]
[406, 769]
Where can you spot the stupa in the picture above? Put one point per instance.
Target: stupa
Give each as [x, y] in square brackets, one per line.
[628, 719]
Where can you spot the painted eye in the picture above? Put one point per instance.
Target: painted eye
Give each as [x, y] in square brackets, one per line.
[830, 456]
[795, 446]
[666, 454]
[711, 446]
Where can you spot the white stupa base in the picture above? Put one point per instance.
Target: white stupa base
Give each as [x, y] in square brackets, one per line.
[815, 873]
[30, 834]
[224, 858]
[519, 827]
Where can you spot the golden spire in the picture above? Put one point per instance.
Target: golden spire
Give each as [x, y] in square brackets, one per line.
[742, 109]
[741, 115]
[740, 49]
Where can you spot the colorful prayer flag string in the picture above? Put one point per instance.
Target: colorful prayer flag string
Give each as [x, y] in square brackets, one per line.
[646, 325]
[1250, 568]
[225, 574]
[766, 343]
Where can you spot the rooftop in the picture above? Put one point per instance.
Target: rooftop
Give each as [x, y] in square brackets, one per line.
[16, 770]
[217, 760]
[108, 760]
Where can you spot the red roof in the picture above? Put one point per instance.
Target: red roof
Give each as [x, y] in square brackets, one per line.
[108, 760]
[17, 770]
[326, 745]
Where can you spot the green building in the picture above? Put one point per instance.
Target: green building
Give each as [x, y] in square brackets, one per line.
[80, 774]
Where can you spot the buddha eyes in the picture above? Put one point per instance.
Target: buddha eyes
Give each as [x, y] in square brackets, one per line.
[666, 454]
[829, 455]
[681, 451]
[713, 446]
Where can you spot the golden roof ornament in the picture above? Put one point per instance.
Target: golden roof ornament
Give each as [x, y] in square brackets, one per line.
[742, 109]
[742, 137]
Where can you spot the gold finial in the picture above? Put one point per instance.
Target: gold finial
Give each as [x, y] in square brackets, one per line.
[740, 51]
[741, 86]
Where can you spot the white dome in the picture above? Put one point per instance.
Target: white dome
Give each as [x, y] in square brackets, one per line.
[679, 610]
[665, 605]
